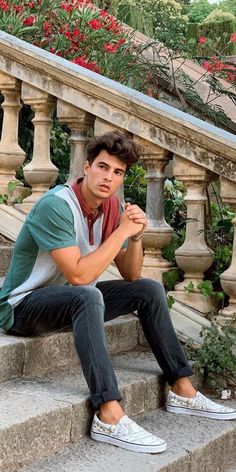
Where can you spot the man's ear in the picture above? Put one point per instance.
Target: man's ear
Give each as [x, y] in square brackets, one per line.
[86, 167]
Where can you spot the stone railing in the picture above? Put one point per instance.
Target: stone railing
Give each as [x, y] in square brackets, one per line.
[84, 101]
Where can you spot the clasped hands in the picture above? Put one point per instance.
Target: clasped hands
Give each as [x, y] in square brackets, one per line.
[134, 215]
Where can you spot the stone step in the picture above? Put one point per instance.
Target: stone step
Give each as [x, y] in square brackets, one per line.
[6, 249]
[42, 414]
[32, 356]
[193, 445]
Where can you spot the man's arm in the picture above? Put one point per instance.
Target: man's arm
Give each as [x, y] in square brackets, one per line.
[82, 270]
[129, 261]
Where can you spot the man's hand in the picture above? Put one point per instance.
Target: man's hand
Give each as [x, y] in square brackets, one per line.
[136, 215]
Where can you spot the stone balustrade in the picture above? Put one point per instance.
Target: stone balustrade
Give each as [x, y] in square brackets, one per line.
[88, 103]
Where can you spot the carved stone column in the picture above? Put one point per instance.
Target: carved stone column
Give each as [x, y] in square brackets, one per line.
[228, 277]
[102, 127]
[80, 123]
[193, 257]
[11, 155]
[158, 233]
[40, 173]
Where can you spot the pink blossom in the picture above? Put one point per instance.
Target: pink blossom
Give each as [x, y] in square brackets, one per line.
[202, 40]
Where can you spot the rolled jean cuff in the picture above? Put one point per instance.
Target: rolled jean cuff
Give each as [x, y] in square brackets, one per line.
[99, 398]
[185, 372]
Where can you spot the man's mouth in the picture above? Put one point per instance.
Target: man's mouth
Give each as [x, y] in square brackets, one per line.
[104, 187]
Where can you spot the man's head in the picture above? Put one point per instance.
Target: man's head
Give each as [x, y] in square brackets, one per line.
[114, 143]
[109, 157]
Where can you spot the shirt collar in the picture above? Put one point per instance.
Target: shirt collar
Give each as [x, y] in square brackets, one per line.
[87, 212]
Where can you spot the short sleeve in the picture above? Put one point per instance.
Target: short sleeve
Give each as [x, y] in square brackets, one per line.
[51, 224]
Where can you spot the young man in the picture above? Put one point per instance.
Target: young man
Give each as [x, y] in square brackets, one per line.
[72, 235]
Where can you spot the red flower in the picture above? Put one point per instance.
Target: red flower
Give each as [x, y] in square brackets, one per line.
[121, 41]
[29, 21]
[66, 7]
[95, 24]
[82, 61]
[202, 40]
[233, 37]
[3, 5]
[18, 8]
[30, 4]
[76, 32]
[108, 47]
[47, 27]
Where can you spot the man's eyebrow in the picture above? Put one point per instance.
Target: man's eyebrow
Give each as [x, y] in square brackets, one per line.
[107, 165]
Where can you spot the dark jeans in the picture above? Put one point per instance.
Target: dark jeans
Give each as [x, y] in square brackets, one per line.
[85, 308]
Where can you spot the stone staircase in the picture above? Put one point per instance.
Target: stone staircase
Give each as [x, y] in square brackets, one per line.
[45, 415]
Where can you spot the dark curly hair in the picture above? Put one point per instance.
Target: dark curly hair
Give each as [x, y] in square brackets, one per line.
[115, 143]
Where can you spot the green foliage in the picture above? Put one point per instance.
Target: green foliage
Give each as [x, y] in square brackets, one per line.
[160, 19]
[205, 288]
[170, 278]
[9, 198]
[216, 356]
[60, 150]
[228, 6]
[135, 186]
[216, 28]
[199, 10]
[218, 16]
[170, 301]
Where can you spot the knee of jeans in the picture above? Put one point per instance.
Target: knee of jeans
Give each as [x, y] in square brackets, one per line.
[90, 294]
[151, 288]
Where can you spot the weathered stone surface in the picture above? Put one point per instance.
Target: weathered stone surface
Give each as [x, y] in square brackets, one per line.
[193, 445]
[12, 352]
[5, 257]
[39, 414]
[31, 427]
[32, 356]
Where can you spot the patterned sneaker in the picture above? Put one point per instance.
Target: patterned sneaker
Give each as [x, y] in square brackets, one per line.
[126, 434]
[198, 406]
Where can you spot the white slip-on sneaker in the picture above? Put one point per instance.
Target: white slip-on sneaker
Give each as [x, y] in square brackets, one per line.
[126, 434]
[198, 406]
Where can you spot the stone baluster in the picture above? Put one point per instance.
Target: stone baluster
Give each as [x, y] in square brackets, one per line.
[40, 173]
[80, 124]
[158, 233]
[228, 277]
[11, 155]
[193, 257]
[102, 127]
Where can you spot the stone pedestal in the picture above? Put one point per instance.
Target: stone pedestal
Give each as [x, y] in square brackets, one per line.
[11, 155]
[228, 278]
[80, 124]
[193, 257]
[158, 233]
[40, 173]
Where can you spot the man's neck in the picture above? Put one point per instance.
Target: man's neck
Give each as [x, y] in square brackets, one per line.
[91, 202]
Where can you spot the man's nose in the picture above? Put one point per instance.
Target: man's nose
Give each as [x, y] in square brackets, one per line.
[109, 176]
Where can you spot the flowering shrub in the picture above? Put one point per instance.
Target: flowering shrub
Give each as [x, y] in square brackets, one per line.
[93, 38]
[217, 64]
[78, 31]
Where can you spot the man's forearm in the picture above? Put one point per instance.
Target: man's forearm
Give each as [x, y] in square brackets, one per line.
[130, 261]
[89, 267]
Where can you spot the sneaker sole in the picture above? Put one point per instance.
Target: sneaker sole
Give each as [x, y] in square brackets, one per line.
[205, 414]
[129, 446]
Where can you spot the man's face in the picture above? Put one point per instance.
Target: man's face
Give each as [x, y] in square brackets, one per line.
[105, 175]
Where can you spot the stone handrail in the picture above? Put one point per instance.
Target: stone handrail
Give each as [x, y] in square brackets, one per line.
[84, 100]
